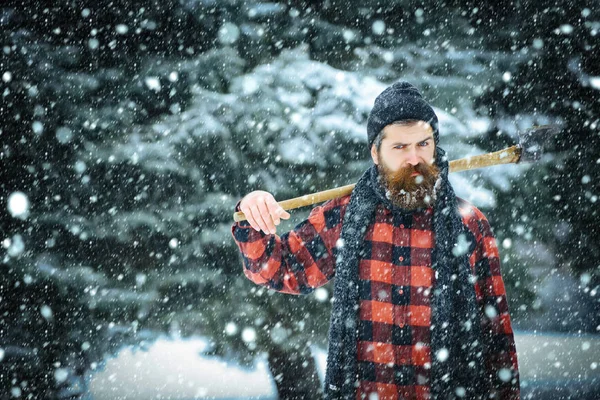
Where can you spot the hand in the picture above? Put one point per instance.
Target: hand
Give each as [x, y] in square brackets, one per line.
[262, 211]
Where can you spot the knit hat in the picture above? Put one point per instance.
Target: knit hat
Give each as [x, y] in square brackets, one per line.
[398, 102]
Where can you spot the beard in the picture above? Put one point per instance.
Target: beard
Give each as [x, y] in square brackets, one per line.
[406, 191]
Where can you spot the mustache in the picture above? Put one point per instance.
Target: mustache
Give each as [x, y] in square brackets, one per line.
[402, 179]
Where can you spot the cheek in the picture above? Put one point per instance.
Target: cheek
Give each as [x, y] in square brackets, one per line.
[397, 164]
[430, 155]
[393, 160]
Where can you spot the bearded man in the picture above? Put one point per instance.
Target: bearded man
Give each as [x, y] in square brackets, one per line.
[420, 308]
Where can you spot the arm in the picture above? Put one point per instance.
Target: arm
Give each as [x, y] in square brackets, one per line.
[296, 262]
[499, 345]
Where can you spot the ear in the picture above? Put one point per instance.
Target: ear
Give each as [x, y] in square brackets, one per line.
[374, 155]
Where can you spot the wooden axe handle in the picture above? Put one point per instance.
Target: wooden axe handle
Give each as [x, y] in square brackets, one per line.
[507, 156]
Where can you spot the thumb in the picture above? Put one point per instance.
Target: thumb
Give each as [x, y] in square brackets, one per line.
[283, 214]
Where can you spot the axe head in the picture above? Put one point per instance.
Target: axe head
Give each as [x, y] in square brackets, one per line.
[533, 141]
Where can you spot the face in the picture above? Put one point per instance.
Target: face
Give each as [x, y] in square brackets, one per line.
[406, 163]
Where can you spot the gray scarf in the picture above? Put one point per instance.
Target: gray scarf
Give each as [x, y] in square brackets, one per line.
[455, 319]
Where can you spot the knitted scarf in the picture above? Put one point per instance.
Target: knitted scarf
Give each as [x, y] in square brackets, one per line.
[456, 339]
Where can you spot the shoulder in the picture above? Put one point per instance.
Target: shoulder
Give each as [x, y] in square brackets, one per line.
[474, 219]
[342, 201]
[339, 203]
[469, 211]
[330, 213]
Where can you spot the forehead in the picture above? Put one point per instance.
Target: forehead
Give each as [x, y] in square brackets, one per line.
[407, 133]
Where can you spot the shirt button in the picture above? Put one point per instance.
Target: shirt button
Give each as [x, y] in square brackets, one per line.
[402, 226]
[400, 291]
[401, 258]
[401, 324]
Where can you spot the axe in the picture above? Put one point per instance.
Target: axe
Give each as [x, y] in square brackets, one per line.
[529, 149]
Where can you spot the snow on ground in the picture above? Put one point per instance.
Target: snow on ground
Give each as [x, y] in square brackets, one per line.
[176, 369]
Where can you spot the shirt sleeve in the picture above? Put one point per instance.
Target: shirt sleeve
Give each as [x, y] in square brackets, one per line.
[499, 345]
[298, 261]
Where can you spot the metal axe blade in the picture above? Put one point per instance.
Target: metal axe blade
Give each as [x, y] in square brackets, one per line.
[533, 141]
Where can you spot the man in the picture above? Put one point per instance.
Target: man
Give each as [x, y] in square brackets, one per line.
[420, 309]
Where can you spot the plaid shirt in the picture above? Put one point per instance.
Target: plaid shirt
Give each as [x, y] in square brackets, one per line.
[395, 291]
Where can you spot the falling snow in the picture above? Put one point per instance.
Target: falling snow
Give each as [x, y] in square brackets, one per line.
[129, 132]
[18, 205]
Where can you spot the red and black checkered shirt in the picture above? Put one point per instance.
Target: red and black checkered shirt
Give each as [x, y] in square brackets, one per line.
[395, 291]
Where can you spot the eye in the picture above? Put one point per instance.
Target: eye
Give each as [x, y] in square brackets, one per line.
[399, 147]
[424, 143]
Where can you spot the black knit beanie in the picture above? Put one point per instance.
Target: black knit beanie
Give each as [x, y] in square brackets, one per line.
[400, 101]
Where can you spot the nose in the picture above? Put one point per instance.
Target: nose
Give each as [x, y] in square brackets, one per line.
[412, 158]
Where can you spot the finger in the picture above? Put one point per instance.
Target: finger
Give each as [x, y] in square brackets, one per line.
[277, 212]
[260, 223]
[250, 217]
[259, 219]
[273, 210]
[283, 214]
[266, 216]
